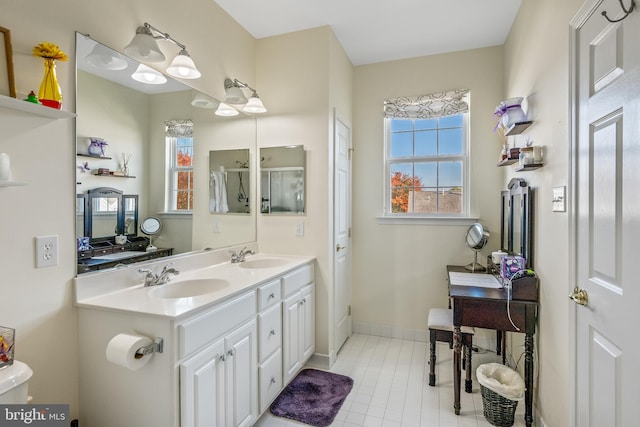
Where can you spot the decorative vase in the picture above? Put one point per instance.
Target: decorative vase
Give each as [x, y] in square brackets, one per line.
[49, 93]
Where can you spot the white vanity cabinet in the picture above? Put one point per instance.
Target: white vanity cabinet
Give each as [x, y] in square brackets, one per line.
[219, 383]
[298, 320]
[222, 363]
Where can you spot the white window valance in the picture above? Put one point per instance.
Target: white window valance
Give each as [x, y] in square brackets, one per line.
[179, 128]
[427, 106]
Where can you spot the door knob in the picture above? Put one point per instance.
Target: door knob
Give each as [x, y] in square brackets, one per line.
[339, 248]
[579, 296]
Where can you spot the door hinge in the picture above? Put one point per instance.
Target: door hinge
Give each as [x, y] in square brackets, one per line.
[349, 311]
[350, 153]
[349, 232]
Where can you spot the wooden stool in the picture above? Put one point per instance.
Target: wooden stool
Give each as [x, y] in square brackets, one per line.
[440, 324]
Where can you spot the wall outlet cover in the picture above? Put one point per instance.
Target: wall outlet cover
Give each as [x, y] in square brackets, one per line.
[559, 199]
[46, 251]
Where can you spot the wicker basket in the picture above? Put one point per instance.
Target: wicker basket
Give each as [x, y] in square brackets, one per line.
[498, 410]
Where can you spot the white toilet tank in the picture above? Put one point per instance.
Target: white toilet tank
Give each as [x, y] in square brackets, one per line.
[13, 383]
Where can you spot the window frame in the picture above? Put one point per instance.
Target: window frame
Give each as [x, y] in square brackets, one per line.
[172, 175]
[465, 157]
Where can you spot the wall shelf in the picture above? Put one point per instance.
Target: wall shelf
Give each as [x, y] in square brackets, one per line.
[93, 157]
[528, 167]
[517, 128]
[507, 162]
[35, 109]
[115, 176]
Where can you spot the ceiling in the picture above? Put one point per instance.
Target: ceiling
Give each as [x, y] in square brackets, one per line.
[374, 31]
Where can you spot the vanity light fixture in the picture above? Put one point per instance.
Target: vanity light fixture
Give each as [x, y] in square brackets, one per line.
[105, 58]
[148, 75]
[225, 110]
[144, 47]
[200, 100]
[234, 95]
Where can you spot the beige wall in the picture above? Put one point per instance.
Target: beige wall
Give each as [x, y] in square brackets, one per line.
[537, 67]
[295, 74]
[399, 271]
[38, 302]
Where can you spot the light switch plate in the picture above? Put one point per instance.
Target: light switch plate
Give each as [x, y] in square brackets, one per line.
[559, 199]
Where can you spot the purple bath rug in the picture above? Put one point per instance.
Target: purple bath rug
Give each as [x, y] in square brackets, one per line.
[313, 397]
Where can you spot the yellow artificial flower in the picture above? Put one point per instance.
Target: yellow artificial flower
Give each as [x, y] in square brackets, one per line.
[49, 50]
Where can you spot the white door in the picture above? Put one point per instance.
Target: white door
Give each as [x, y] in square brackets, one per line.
[606, 217]
[342, 231]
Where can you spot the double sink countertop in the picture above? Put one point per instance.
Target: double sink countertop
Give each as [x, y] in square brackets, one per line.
[202, 281]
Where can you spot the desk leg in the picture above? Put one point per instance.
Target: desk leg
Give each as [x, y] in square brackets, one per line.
[457, 348]
[528, 379]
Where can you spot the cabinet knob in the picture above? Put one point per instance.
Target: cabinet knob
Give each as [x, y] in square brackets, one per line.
[272, 295]
[273, 332]
[273, 380]
[223, 358]
[231, 353]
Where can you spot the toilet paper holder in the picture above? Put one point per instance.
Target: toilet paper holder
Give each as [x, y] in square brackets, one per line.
[155, 347]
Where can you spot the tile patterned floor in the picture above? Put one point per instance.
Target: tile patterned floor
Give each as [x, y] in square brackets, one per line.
[391, 387]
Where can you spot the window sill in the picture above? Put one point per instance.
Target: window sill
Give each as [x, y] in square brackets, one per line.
[176, 215]
[417, 220]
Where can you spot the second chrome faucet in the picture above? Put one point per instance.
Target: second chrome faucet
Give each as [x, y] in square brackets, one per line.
[152, 279]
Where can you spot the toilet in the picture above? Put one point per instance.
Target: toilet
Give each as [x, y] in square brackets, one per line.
[13, 383]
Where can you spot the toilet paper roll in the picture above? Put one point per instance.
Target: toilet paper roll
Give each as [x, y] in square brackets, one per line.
[496, 256]
[122, 349]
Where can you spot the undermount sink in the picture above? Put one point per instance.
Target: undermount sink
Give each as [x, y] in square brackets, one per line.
[263, 263]
[188, 288]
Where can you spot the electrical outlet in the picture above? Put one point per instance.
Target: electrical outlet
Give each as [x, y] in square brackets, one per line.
[46, 251]
[300, 228]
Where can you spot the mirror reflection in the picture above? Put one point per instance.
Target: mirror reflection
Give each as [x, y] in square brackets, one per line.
[150, 144]
[517, 220]
[229, 185]
[282, 180]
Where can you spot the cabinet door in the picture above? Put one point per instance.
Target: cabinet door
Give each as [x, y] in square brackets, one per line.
[241, 368]
[291, 344]
[202, 394]
[307, 318]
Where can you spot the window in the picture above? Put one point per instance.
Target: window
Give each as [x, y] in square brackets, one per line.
[426, 156]
[179, 138]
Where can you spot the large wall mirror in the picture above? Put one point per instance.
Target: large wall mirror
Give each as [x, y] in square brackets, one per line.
[517, 220]
[282, 180]
[133, 122]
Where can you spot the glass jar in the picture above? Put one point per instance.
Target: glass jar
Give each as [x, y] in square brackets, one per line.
[526, 156]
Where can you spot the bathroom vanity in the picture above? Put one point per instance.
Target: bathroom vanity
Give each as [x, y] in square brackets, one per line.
[234, 334]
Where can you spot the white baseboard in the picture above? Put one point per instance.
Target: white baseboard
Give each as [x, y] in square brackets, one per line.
[391, 332]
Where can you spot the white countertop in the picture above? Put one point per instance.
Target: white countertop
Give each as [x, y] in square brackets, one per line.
[123, 291]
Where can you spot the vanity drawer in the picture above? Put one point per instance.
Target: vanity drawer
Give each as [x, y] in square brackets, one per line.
[138, 246]
[270, 378]
[200, 330]
[269, 331]
[269, 294]
[102, 251]
[296, 279]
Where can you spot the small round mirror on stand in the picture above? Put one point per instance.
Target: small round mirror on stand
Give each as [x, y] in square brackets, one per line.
[151, 226]
[476, 239]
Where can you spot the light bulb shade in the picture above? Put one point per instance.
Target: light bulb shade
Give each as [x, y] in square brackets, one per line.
[203, 101]
[183, 67]
[255, 105]
[225, 110]
[105, 58]
[148, 76]
[144, 47]
[234, 95]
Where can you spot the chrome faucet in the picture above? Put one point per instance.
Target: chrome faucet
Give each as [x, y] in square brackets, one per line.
[239, 257]
[152, 279]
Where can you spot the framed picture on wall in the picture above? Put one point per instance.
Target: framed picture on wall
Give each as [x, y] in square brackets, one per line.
[7, 78]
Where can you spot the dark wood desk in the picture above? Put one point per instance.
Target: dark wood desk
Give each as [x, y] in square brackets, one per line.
[487, 308]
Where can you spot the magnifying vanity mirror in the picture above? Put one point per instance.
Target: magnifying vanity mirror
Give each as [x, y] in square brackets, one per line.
[134, 120]
[282, 180]
[151, 226]
[476, 239]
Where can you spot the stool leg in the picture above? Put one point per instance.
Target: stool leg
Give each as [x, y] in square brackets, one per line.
[432, 359]
[468, 383]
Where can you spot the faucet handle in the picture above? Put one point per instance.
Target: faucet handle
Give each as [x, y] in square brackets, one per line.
[145, 271]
